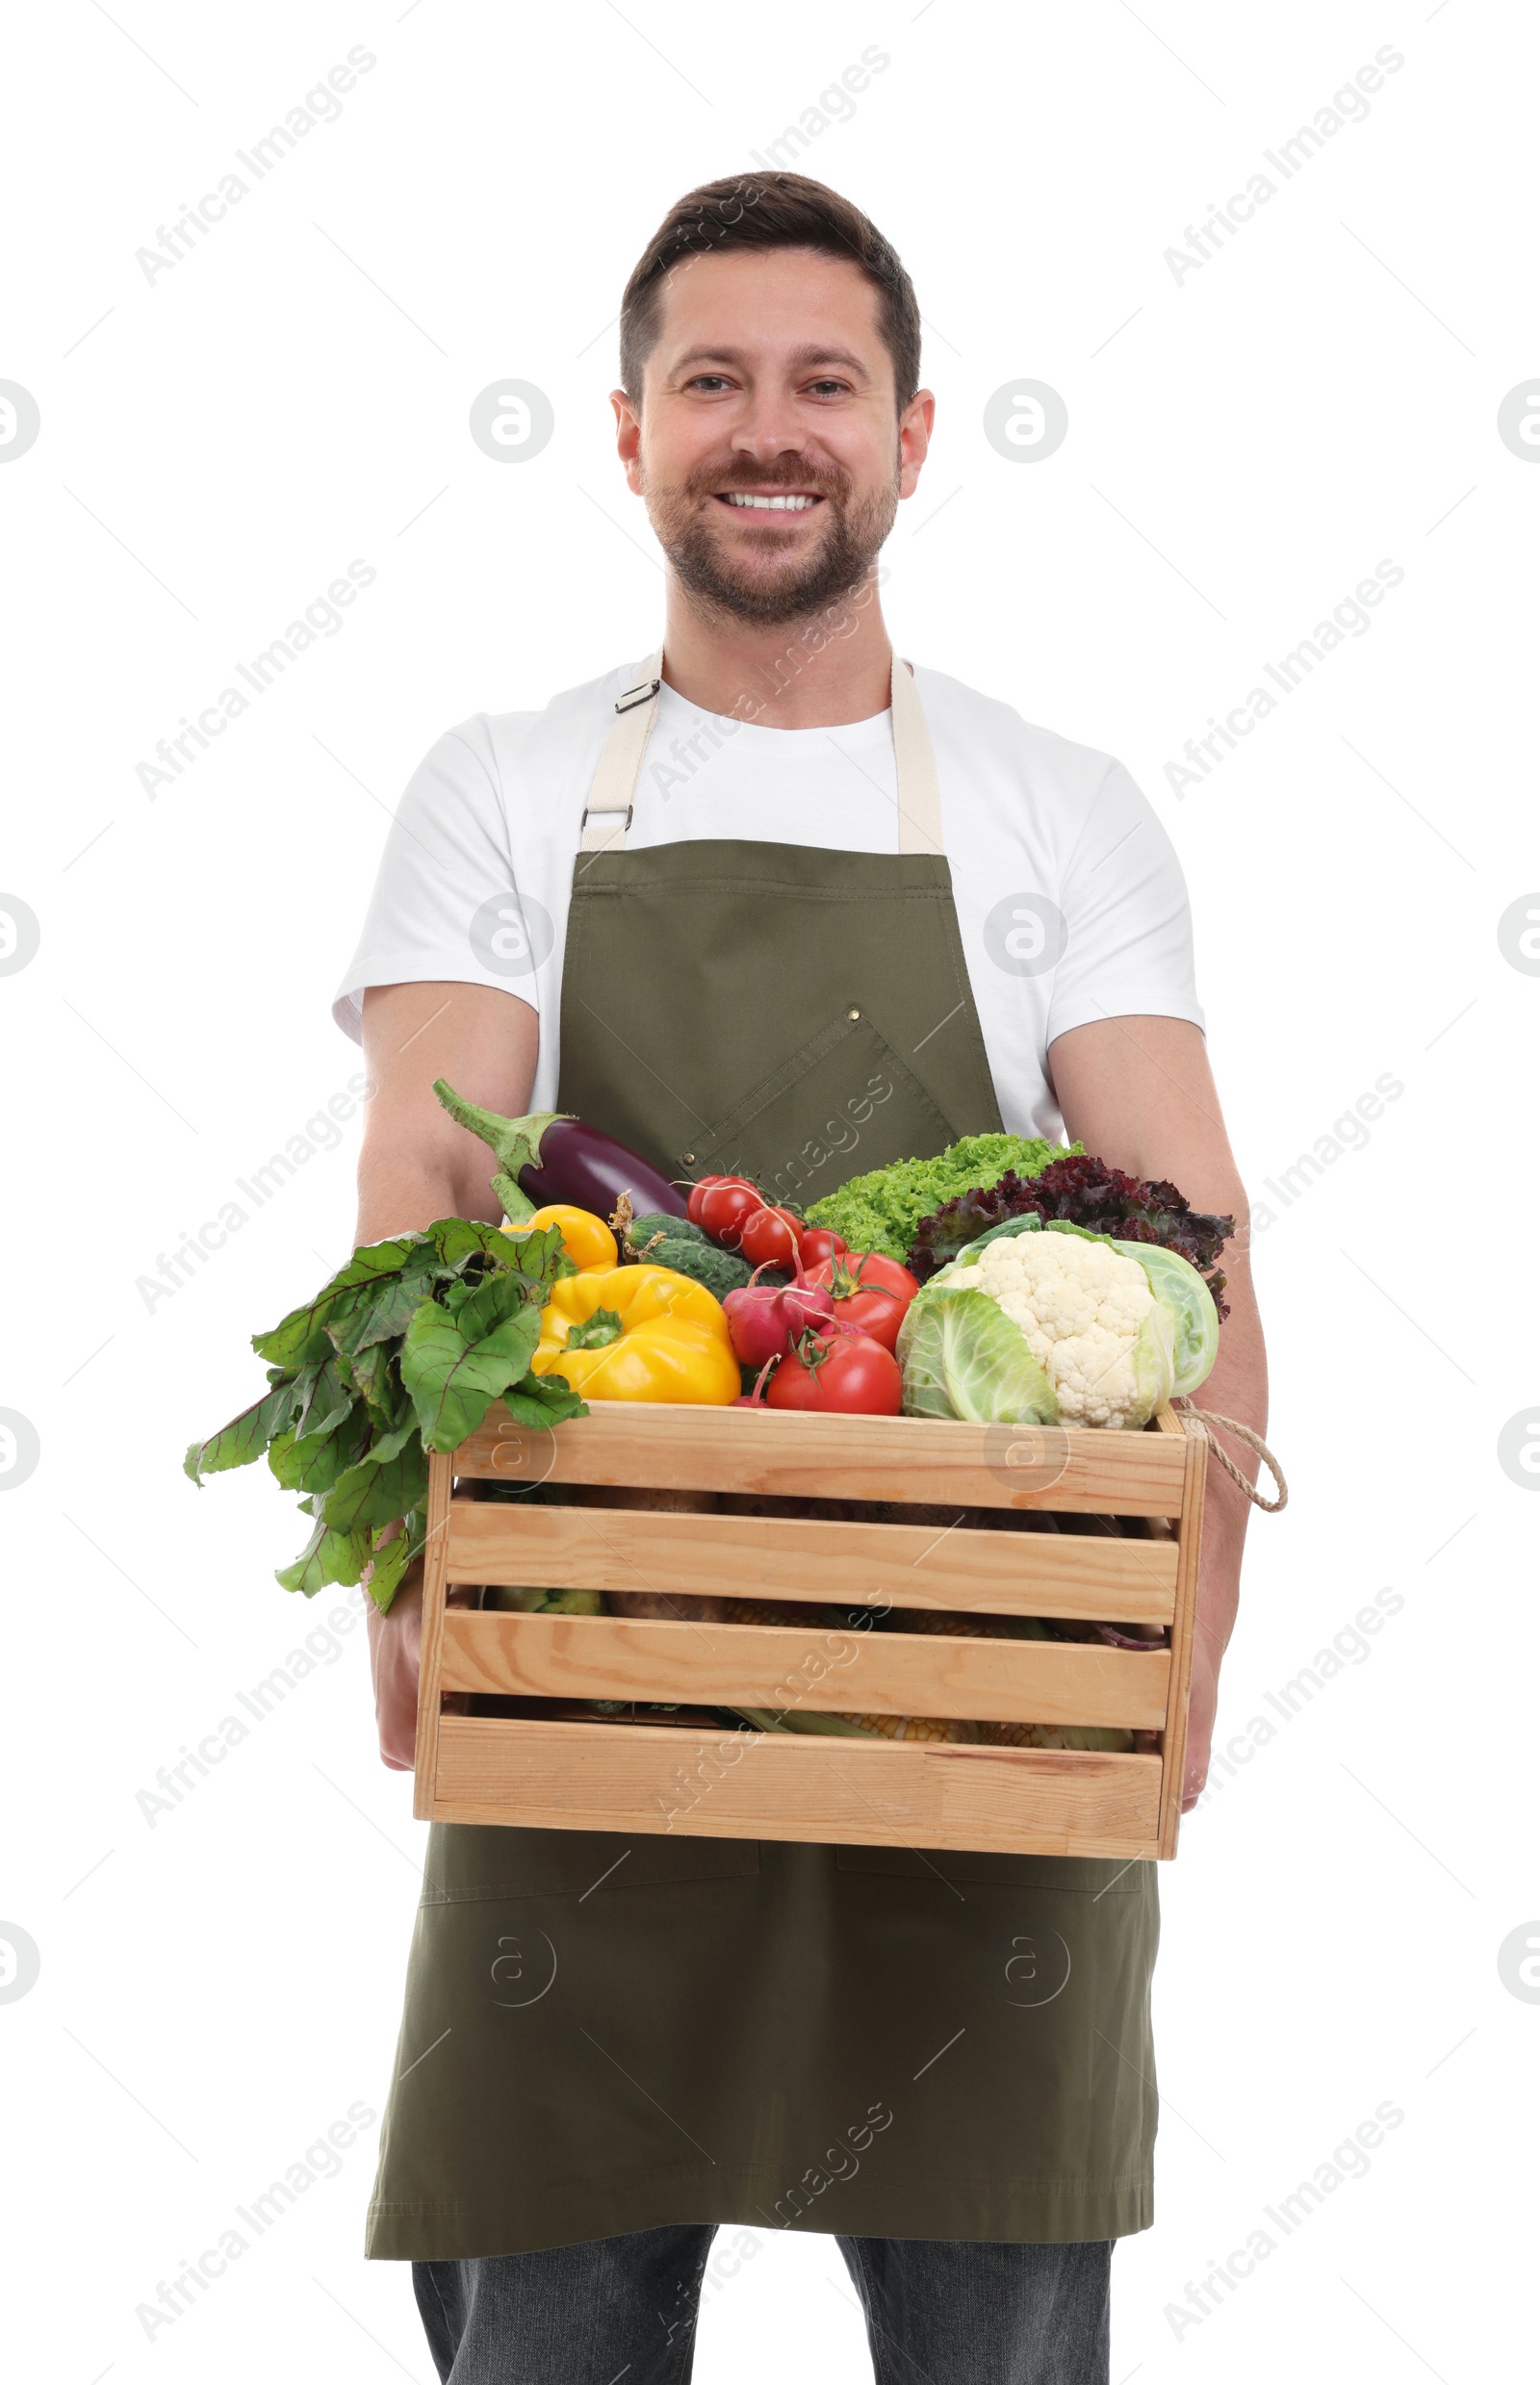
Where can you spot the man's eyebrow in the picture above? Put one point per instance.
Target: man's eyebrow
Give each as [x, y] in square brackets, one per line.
[800, 359]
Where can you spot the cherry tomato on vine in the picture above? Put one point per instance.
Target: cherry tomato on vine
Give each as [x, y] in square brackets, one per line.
[771, 1238]
[820, 1243]
[698, 1191]
[724, 1208]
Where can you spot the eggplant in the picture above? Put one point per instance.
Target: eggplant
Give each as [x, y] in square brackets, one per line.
[550, 1155]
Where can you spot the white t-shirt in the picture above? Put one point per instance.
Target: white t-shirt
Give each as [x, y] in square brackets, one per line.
[1069, 895]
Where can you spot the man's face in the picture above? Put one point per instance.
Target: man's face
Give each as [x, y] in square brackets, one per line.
[768, 450]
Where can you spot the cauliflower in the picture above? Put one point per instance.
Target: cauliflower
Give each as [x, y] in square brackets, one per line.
[1089, 1318]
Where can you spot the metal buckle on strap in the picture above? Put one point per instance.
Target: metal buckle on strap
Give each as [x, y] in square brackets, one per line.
[642, 693]
[606, 815]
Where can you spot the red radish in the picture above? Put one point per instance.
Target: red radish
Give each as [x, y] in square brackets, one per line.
[766, 1319]
[755, 1322]
[771, 1238]
[803, 1304]
[820, 1243]
[698, 1191]
[755, 1397]
[849, 1375]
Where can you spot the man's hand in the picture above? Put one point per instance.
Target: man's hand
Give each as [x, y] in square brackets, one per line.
[394, 1652]
[1202, 1706]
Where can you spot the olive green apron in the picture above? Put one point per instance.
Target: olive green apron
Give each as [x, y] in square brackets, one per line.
[606, 2032]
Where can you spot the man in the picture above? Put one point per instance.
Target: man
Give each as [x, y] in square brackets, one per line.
[710, 903]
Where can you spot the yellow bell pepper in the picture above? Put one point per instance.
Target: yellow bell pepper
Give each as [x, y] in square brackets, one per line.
[638, 1333]
[586, 1238]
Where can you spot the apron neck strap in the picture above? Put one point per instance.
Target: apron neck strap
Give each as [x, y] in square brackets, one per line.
[607, 814]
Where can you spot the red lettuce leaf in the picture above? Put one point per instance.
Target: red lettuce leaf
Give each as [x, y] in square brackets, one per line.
[1084, 1191]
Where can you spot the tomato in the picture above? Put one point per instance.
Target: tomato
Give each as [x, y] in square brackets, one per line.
[848, 1375]
[820, 1243]
[698, 1191]
[724, 1207]
[771, 1238]
[871, 1292]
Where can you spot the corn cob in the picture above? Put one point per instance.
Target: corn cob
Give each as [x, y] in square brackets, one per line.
[810, 1723]
[914, 1727]
[1092, 1735]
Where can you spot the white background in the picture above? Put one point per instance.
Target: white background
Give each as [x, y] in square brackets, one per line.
[1244, 445]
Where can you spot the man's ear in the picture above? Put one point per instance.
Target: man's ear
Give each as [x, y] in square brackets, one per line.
[627, 438]
[914, 426]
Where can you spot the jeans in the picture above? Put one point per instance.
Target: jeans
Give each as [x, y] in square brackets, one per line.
[937, 2313]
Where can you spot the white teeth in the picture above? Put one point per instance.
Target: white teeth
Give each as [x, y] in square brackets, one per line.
[772, 505]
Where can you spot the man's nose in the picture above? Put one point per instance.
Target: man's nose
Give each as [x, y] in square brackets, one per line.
[772, 430]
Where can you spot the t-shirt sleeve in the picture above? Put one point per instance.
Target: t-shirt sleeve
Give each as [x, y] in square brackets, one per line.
[1128, 927]
[447, 858]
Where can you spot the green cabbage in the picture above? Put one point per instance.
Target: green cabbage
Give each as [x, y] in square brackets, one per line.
[962, 1357]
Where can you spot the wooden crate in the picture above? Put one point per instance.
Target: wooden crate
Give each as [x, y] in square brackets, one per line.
[742, 1783]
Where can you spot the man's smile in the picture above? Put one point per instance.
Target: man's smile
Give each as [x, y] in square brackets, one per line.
[781, 500]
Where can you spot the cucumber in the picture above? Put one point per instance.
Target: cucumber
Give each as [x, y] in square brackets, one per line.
[678, 1229]
[705, 1262]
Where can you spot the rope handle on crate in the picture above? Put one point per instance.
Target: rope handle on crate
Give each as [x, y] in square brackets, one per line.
[1207, 1419]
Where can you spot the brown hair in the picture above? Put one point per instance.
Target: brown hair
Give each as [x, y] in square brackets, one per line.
[769, 211]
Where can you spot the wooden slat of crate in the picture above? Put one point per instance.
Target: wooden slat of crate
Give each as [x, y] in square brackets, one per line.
[573, 1776]
[1083, 1575]
[435, 1591]
[774, 1454]
[774, 1666]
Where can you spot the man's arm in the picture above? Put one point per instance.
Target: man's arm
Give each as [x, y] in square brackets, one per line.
[416, 1165]
[1138, 1092]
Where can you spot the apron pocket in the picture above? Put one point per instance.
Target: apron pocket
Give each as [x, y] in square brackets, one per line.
[845, 1091]
[1070, 1874]
[469, 1864]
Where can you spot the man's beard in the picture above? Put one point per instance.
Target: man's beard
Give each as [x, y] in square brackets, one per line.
[844, 554]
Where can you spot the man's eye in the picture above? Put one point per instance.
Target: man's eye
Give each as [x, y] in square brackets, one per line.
[713, 380]
[827, 389]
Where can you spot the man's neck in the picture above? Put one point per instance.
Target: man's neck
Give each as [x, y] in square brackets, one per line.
[831, 667]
